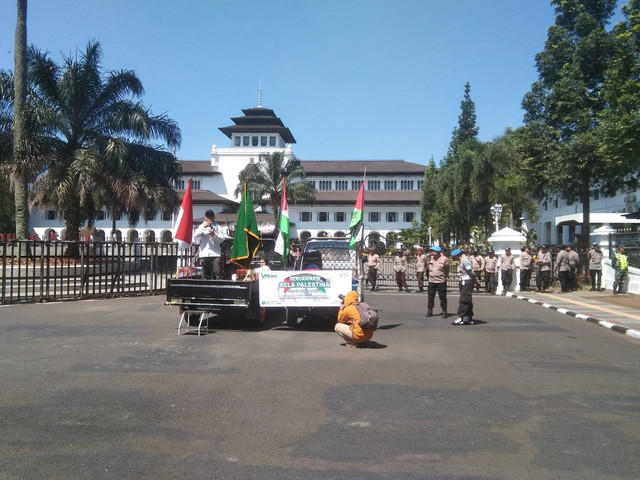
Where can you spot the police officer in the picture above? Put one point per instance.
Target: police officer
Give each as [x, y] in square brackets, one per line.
[526, 262]
[438, 273]
[467, 278]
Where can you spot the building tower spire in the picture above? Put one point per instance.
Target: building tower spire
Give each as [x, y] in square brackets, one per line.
[260, 94]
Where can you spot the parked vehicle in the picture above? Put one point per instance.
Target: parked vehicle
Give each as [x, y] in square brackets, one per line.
[321, 253]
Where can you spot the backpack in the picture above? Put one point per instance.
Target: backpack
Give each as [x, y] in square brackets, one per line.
[368, 316]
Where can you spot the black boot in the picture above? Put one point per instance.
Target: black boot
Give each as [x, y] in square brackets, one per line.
[429, 313]
[444, 313]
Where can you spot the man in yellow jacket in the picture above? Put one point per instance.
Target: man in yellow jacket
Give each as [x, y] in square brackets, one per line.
[348, 326]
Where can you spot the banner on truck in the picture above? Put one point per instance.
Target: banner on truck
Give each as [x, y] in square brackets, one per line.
[311, 288]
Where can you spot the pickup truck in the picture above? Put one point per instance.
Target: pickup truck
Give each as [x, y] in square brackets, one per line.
[197, 298]
[322, 254]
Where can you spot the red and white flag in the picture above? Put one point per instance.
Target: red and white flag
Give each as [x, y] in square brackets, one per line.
[183, 233]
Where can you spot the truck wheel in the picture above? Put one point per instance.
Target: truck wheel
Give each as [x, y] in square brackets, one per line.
[291, 317]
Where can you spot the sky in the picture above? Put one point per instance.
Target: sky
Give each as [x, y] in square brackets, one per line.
[352, 79]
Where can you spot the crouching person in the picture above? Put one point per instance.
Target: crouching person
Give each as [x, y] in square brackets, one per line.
[348, 326]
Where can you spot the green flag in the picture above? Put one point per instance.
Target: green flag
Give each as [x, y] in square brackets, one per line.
[356, 218]
[246, 238]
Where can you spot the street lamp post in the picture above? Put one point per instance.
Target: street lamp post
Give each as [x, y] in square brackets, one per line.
[429, 230]
[496, 213]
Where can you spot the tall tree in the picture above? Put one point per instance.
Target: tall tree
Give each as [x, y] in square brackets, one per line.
[20, 166]
[621, 90]
[429, 195]
[265, 180]
[457, 199]
[101, 141]
[467, 128]
[510, 176]
[567, 103]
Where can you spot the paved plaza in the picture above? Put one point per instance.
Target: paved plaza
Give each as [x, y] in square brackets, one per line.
[107, 389]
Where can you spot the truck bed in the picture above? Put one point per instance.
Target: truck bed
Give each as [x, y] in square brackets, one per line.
[211, 295]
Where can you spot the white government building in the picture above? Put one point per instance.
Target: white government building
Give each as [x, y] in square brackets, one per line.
[559, 221]
[393, 190]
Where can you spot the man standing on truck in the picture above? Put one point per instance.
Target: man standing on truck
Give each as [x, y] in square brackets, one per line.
[209, 234]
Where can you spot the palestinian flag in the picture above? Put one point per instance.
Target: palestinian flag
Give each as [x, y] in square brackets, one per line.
[282, 244]
[356, 218]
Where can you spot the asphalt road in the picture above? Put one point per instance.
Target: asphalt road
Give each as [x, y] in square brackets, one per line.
[106, 389]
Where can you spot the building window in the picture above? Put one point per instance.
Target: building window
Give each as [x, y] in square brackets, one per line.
[339, 217]
[420, 182]
[236, 141]
[323, 216]
[263, 141]
[374, 216]
[373, 185]
[324, 185]
[406, 185]
[355, 184]
[51, 215]
[272, 141]
[148, 216]
[245, 141]
[180, 184]
[390, 185]
[342, 184]
[392, 217]
[101, 215]
[195, 184]
[409, 216]
[167, 215]
[254, 141]
[305, 216]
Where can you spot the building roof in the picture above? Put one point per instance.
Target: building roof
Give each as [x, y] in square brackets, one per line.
[371, 197]
[258, 120]
[197, 167]
[206, 197]
[374, 167]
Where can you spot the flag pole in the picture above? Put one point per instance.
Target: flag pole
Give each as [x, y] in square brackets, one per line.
[360, 250]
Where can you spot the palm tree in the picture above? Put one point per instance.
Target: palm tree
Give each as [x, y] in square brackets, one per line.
[19, 172]
[265, 180]
[101, 138]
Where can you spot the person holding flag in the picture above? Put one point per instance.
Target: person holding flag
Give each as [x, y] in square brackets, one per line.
[282, 243]
[355, 227]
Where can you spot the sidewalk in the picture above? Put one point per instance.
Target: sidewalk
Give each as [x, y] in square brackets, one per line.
[620, 313]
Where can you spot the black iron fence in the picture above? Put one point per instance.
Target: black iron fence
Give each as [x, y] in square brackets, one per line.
[631, 244]
[44, 271]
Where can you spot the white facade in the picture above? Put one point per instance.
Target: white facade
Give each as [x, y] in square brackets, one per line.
[560, 221]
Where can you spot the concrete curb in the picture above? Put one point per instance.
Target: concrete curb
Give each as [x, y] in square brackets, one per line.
[603, 323]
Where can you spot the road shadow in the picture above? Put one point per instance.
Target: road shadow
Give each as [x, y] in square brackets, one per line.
[389, 327]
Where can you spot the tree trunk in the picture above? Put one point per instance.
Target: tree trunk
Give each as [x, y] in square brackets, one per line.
[19, 128]
[586, 211]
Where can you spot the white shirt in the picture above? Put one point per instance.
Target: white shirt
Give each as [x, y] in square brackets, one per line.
[210, 238]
